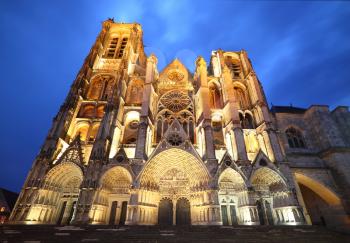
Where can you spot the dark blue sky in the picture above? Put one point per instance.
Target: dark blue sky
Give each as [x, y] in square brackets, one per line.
[300, 51]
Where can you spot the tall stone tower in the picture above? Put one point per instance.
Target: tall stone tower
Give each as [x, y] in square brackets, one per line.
[131, 145]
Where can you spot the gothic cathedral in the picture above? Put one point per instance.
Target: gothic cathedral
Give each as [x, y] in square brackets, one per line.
[137, 146]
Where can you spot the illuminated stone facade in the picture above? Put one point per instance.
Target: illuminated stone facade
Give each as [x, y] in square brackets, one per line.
[131, 145]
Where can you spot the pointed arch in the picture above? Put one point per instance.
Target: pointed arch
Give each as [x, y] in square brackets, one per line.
[177, 162]
[82, 129]
[215, 97]
[87, 131]
[131, 125]
[93, 132]
[233, 63]
[57, 195]
[116, 179]
[134, 92]
[241, 95]
[175, 104]
[230, 179]
[87, 111]
[265, 178]
[114, 191]
[63, 175]
[321, 190]
[101, 87]
[294, 137]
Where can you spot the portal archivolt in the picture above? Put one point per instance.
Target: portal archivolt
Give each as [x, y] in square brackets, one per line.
[177, 180]
[110, 204]
[174, 171]
[56, 200]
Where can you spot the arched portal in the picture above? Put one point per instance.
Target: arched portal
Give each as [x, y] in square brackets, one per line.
[323, 205]
[56, 200]
[174, 173]
[110, 205]
[232, 190]
[276, 203]
[183, 215]
[165, 212]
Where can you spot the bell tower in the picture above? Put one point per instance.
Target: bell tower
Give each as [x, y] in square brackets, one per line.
[245, 107]
[93, 114]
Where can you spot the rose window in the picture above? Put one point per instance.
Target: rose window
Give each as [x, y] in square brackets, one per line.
[175, 76]
[175, 139]
[175, 101]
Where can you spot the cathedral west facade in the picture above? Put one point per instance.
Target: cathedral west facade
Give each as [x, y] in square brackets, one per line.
[137, 146]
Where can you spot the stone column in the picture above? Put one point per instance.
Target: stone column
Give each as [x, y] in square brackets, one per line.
[140, 152]
[203, 91]
[209, 145]
[174, 212]
[132, 212]
[84, 206]
[240, 144]
[214, 208]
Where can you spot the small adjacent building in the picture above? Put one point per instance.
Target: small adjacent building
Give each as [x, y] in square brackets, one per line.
[7, 203]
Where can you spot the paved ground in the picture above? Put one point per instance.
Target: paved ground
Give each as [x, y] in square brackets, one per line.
[152, 234]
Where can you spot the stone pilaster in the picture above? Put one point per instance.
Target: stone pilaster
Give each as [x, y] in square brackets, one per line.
[233, 106]
[201, 70]
[151, 69]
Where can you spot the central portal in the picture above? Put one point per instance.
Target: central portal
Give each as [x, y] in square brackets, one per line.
[166, 212]
[183, 214]
[172, 176]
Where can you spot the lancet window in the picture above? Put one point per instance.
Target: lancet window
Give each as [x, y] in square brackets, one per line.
[86, 131]
[112, 48]
[234, 66]
[115, 48]
[215, 100]
[101, 87]
[134, 92]
[295, 138]
[91, 110]
[246, 120]
[175, 105]
[241, 97]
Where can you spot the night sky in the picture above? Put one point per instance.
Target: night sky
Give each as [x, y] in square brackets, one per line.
[300, 52]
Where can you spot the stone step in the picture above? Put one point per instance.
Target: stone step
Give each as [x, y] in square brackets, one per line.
[45, 233]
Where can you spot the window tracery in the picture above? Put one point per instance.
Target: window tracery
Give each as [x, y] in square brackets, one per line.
[241, 97]
[91, 110]
[246, 120]
[134, 92]
[175, 139]
[295, 138]
[175, 101]
[175, 105]
[101, 87]
[86, 131]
